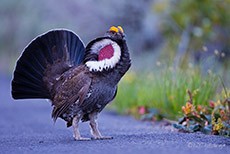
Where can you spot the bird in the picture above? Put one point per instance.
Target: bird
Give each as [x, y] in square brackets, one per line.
[79, 81]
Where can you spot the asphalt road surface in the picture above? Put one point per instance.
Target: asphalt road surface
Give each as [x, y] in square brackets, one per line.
[26, 127]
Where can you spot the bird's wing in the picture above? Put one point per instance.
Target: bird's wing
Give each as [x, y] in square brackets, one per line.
[72, 86]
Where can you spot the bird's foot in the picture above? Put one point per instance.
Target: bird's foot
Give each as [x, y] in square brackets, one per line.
[102, 138]
[82, 139]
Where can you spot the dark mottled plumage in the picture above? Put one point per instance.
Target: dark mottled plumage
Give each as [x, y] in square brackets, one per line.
[54, 66]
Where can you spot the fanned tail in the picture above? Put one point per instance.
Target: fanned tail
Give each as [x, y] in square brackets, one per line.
[44, 60]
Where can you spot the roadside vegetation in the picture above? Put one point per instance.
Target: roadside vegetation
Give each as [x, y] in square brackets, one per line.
[196, 97]
[164, 90]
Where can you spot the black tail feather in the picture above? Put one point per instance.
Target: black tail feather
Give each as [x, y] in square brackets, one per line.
[56, 46]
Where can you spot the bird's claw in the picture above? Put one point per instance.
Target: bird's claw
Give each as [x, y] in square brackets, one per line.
[102, 138]
[82, 139]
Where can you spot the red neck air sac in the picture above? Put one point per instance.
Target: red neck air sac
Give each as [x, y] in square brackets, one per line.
[106, 52]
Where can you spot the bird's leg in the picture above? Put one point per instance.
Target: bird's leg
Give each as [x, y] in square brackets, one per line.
[76, 133]
[94, 129]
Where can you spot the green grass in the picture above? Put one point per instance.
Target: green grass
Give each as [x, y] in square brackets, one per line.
[164, 90]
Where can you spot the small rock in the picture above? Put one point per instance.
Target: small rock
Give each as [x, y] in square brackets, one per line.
[41, 141]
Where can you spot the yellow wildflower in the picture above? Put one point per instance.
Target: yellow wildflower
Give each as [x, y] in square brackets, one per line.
[189, 105]
[218, 126]
[188, 108]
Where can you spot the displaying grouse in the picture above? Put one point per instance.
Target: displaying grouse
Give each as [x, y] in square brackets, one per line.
[79, 81]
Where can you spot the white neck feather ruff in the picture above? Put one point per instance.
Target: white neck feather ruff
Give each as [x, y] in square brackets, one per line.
[105, 63]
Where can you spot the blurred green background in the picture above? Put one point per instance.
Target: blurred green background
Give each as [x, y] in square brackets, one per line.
[174, 44]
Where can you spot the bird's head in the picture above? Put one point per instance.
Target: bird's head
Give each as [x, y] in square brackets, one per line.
[105, 52]
[116, 33]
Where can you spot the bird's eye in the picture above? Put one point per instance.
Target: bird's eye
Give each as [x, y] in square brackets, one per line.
[113, 32]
